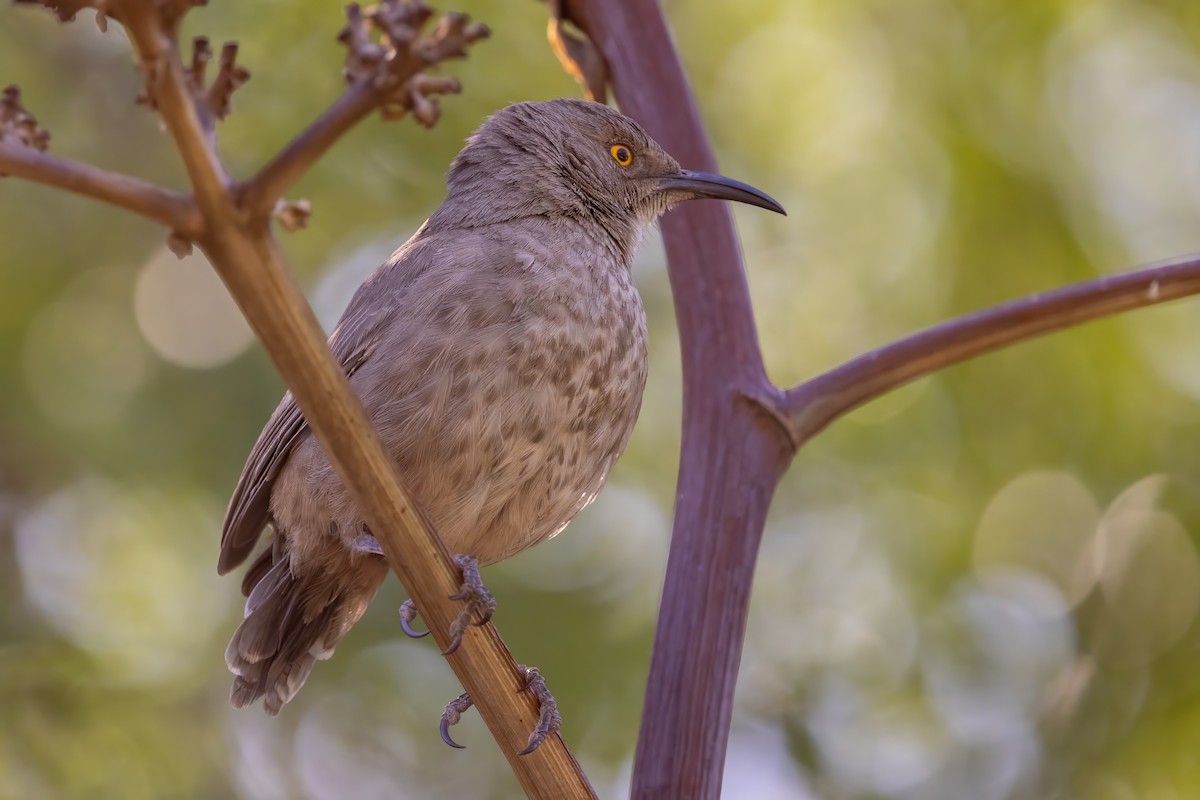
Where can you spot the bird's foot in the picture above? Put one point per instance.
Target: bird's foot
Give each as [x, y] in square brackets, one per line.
[549, 721]
[453, 713]
[476, 600]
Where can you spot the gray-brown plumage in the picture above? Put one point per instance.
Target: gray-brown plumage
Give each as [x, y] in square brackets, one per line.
[501, 354]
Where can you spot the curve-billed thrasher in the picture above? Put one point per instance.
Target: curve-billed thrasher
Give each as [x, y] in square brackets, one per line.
[500, 353]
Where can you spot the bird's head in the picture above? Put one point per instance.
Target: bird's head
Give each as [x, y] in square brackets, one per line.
[581, 160]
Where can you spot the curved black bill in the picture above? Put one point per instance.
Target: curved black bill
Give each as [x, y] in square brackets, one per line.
[706, 184]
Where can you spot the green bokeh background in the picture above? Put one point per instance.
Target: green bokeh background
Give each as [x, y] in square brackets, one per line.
[984, 585]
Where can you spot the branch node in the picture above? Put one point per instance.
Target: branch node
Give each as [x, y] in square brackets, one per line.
[772, 408]
[17, 126]
[179, 244]
[292, 214]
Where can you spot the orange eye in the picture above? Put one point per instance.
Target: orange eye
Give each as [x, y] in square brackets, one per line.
[621, 155]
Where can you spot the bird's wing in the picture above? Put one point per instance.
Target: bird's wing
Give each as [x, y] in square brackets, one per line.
[374, 308]
[249, 508]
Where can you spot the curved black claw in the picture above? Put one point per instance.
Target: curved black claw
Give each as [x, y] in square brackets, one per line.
[451, 716]
[476, 599]
[455, 639]
[550, 720]
[548, 724]
[408, 612]
[445, 729]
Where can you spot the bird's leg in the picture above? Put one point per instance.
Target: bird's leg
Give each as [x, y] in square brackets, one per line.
[476, 599]
[548, 724]
[366, 543]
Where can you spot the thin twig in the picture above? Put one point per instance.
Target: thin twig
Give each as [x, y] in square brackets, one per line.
[816, 403]
[169, 84]
[386, 74]
[260, 193]
[173, 209]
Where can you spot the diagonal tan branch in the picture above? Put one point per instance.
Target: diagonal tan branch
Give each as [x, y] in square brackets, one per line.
[247, 257]
[260, 193]
[814, 404]
[175, 210]
[249, 261]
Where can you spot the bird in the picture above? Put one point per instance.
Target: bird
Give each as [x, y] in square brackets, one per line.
[501, 354]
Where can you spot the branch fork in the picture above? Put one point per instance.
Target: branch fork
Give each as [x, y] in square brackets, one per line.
[386, 62]
[292, 215]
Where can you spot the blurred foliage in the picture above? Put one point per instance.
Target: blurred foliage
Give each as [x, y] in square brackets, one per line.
[984, 585]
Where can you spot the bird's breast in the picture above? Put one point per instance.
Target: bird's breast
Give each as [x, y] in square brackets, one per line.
[566, 389]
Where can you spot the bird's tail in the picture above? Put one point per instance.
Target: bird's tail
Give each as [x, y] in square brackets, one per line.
[291, 622]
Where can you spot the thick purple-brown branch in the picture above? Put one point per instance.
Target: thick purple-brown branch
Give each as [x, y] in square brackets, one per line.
[732, 453]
